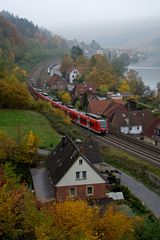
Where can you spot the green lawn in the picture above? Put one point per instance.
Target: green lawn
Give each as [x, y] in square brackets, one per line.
[18, 123]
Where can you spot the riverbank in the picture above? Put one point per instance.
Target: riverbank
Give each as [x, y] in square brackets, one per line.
[149, 70]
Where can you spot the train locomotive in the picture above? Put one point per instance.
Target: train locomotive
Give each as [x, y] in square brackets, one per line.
[90, 121]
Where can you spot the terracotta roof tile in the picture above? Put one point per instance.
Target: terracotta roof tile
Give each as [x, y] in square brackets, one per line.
[106, 108]
[152, 127]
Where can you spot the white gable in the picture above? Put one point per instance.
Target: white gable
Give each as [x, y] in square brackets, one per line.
[69, 179]
[73, 75]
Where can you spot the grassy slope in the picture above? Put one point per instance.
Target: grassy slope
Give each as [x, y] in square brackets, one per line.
[18, 123]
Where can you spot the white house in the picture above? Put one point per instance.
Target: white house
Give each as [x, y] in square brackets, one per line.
[73, 74]
[128, 122]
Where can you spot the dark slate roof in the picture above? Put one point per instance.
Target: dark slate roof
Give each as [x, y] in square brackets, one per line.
[61, 159]
[64, 155]
[91, 150]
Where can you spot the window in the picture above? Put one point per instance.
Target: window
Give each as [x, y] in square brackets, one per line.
[90, 190]
[158, 132]
[72, 191]
[80, 161]
[84, 175]
[77, 175]
[81, 175]
[130, 128]
[83, 120]
[137, 127]
[92, 124]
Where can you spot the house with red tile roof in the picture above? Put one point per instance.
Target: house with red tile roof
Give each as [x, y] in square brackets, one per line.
[56, 83]
[127, 122]
[142, 123]
[151, 129]
[106, 108]
[79, 90]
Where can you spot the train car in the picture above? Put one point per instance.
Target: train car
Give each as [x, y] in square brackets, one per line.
[90, 121]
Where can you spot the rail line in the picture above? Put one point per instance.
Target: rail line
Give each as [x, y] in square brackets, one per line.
[143, 152]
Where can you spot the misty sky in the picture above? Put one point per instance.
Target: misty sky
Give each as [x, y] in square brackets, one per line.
[84, 18]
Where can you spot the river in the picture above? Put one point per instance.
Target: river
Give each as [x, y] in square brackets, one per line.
[149, 70]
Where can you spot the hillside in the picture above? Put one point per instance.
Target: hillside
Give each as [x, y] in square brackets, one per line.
[23, 43]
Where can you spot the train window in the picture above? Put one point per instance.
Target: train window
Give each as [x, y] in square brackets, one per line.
[73, 116]
[91, 124]
[83, 120]
[103, 123]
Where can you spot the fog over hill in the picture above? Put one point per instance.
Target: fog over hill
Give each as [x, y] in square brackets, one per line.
[116, 34]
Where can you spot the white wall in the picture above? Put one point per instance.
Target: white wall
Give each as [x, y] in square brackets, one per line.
[134, 130]
[73, 75]
[69, 178]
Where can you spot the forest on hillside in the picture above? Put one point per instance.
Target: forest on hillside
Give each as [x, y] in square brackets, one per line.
[25, 44]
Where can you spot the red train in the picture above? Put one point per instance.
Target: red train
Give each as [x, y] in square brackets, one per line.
[90, 121]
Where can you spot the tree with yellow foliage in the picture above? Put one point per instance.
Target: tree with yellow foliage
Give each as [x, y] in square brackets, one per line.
[115, 225]
[32, 142]
[124, 86]
[75, 219]
[67, 62]
[66, 98]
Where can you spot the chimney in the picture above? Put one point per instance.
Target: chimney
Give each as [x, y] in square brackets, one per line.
[82, 149]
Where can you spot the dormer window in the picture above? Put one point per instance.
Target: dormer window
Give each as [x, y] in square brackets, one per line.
[80, 161]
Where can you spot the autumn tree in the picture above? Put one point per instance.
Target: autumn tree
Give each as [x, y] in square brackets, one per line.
[67, 62]
[136, 84]
[124, 86]
[82, 61]
[11, 208]
[115, 225]
[74, 219]
[14, 95]
[66, 98]
[101, 72]
[102, 88]
[31, 142]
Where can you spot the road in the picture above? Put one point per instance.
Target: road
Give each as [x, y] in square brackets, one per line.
[150, 199]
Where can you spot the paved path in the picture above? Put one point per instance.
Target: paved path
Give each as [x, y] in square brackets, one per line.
[150, 199]
[42, 184]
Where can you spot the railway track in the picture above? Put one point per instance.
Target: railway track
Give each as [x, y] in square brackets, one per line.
[144, 152]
